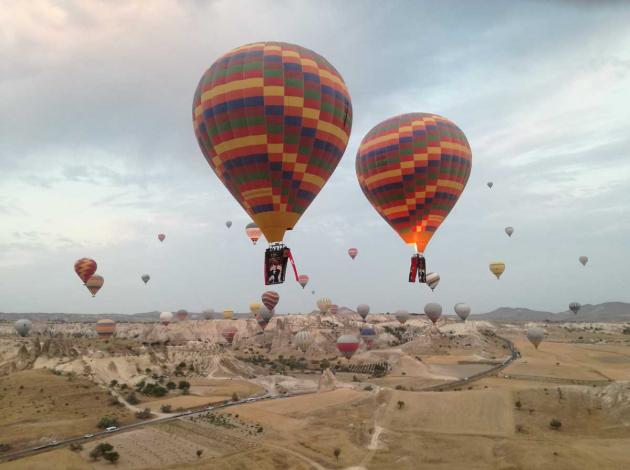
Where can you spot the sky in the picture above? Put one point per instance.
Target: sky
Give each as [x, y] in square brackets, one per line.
[98, 154]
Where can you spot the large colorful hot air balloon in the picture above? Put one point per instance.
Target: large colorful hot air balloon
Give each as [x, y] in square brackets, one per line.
[347, 345]
[145, 278]
[270, 299]
[22, 327]
[402, 316]
[535, 335]
[253, 232]
[105, 328]
[575, 307]
[303, 280]
[323, 304]
[433, 311]
[413, 168]
[264, 316]
[166, 318]
[433, 279]
[509, 231]
[462, 310]
[161, 237]
[583, 260]
[85, 268]
[497, 268]
[94, 284]
[228, 314]
[353, 252]
[228, 333]
[273, 121]
[363, 310]
[303, 340]
[181, 315]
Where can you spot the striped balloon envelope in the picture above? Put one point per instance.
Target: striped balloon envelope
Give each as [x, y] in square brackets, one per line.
[353, 252]
[228, 333]
[85, 268]
[94, 284]
[347, 345]
[303, 280]
[323, 304]
[433, 279]
[413, 168]
[105, 328]
[270, 299]
[273, 120]
[181, 315]
[264, 316]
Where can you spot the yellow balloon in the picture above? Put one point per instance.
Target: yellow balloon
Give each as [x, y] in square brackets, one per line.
[497, 268]
[254, 308]
[228, 314]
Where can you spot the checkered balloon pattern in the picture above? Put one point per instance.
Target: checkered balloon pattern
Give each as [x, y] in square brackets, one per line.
[413, 168]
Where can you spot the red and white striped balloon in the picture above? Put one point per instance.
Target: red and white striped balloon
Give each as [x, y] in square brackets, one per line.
[270, 299]
[353, 252]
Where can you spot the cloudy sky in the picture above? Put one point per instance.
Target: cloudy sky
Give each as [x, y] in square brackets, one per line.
[98, 155]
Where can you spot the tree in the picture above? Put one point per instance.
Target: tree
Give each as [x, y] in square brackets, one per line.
[400, 404]
[144, 414]
[555, 424]
[113, 383]
[165, 408]
[234, 396]
[184, 386]
[132, 399]
[171, 385]
[111, 457]
[337, 452]
[199, 452]
[100, 450]
[107, 421]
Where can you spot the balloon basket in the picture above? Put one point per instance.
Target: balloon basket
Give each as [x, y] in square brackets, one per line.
[418, 269]
[276, 258]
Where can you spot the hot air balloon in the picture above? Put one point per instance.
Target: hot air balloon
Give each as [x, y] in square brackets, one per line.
[94, 284]
[583, 260]
[181, 315]
[509, 231]
[433, 279]
[413, 168]
[207, 314]
[145, 278]
[535, 336]
[323, 304]
[228, 223]
[23, 327]
[433, 311]
[402, 316]
[313, 292]
[303, 340]
[273, 121]
[253, 232]
[228, 333]
[270, 299]
[105, 328]
[353, 252]
[490, 184]
[166, 318]
[333, 309]
[254, 308]
[347, 345]
[367, 335]
[161, 237]
[228, 314]
[303, 280]
[85, 268]
[575, 307]
[462, 310]
[497, 268]
[264, 316]
[363, 310]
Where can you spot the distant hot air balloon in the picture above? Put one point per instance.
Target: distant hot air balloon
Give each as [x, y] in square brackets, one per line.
[228, 223]
[347, 345]
[433, 311]
[353, 252]
[333, 309]
[181, 315]
[535, 336]
[402, 316]
[23, 327]
[94, 284]
[270, 299]
[228, 314]
[161, 237]
[313, 292]
[583, 260]
[367, 335]
[509, 231]
[363, 310]
[254, 308]
[490, 184]
[303, 340]
[228, 333]
[85, 268]
[264, 316]
[273, 121]
[303, 280]
[166, 318]
[207, 314]
[575, 307]
[462, 310]
[433, 279]
[497, 268]
[105, 328]
[413, 168]
[145, 278]
[253, 232]
[323, 304]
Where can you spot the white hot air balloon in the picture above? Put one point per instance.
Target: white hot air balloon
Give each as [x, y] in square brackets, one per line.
[433, 279]
[535, 335]
[363, 310]
[166, 318]
[509, 231]
[303, 340]
[23, 327]
[433, 311]
[583, 260]
[323, 304]
[462, 310]
[402, 316]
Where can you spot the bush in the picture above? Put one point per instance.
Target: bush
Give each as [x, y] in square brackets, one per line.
[337, 452]
[165, 408]
[76, 446]
[4, 447]
[368, 388]
[400, 404]
[234, 396]
[171, 385]
[518, 404]
[183, 385]
[111, 457]
[107, 421]
[199, 452]
[144, 414]
[132, 399]
[555, 424]
[114, 401]
[100, 450]
[113, 383]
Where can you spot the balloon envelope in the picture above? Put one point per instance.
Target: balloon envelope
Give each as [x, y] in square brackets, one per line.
[583, 260]
[433, 279]
[228, 223]
[535, 336]
[254, 308]
[228, 314]
[433, 311]
[207, 314]
[497, 268]
[181, 315]
[85, 268]
[363, 310]
[161, 237]
[303, 280]
[490, 184]
[264, 316]
[333, 309]
[94, 284]
[303, 339]
[509, 231]
[253, 232]
[23, 327]
[353, 252]
[323, 304]
[575, 307]
[462, 310]
[347, 345]
[166, 318]
[402, 316]
[270, 299]
[105, 328]
[145, 278]
[228, 333]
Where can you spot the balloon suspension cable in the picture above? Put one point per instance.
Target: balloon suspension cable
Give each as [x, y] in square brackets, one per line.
[276, 258]
[418, 269]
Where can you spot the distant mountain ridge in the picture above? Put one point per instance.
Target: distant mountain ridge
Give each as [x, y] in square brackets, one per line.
[607, 312]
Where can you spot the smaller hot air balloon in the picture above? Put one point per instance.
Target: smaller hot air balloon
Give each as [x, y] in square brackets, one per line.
[353, 252]
[228, 223]
[313, 292]
[181, 315]
[105, 328]
[264, 316]
[228, 314]
[462, 310]
[509, 231]
[207, 314]
[433, 311]
[367, 335]
[94, 284]
[323, 304]
[490, 184]
[23, 327]
[254, 308]
[166, 318]
[253, 232]
[333, 309]
[535, 335]
[363, 310]
[228, 333]
[575, 307]
[497, 268]
[402, 316]
[270, 299]
[303, 280]
[161, 237]
[145, 278]
[433, 279]
[303, 340]
[85, 268]
[583, 260]
[347, 345]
